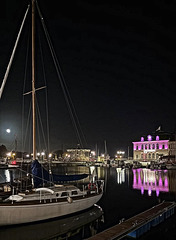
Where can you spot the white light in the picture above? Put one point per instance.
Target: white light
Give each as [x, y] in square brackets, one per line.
[8, 154]
[93, 153]
[43, 153]
[50, 155]
[8, 130]
[120, 152]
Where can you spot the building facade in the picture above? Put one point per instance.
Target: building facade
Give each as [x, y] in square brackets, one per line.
[76, 154]
[154, 147]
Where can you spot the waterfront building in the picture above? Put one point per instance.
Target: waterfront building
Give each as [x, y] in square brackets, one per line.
[78, 154]
[155, 146]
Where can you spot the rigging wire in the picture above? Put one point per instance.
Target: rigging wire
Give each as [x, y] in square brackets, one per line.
[24, 86]
[67, 96]
[13, 54]
[46, 97]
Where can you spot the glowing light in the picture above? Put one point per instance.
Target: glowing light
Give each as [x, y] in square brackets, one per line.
[13, 162]
[8, 130]
[157, 138]
[8, 154]
[120, 152]
[149, 137]
[93, 153]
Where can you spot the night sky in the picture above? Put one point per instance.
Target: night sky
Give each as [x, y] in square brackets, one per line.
[118, 59]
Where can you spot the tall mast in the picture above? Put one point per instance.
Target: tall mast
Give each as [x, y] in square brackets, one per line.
[33, 79]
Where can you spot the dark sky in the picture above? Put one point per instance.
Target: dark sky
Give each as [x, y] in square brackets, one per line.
[118, 59]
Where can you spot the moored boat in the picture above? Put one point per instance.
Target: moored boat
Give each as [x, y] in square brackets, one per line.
[46, 199]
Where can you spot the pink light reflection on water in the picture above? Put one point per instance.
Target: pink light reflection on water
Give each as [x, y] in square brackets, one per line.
[150, 181]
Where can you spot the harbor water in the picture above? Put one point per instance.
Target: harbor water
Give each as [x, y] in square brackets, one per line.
[127, 192]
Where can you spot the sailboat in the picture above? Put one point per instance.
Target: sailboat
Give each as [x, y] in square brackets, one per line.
[45, 202]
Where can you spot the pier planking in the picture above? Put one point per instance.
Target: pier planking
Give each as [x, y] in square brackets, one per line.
[144, 220]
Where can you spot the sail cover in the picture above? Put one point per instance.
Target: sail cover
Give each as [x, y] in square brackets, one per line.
[41, 175]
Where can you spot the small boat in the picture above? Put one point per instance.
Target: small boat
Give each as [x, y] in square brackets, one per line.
[46, 200]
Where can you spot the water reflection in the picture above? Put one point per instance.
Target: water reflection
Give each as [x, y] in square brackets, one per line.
[84, 224]
[120, 175]
[151, 181]
[7, 175]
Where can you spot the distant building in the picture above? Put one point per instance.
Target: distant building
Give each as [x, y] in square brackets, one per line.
[78, 154]
[158, 145]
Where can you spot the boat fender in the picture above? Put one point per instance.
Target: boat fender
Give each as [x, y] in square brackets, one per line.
[70, 200]
[91, 186]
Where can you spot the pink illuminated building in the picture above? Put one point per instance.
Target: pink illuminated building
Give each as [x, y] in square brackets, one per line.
[154, 147]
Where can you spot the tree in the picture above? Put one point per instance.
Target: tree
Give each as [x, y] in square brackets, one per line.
[3, 151]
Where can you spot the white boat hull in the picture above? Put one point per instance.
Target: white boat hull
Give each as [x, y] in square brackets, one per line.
[18, 214]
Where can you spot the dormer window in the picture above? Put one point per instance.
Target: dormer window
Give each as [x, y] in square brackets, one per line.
[157, 138]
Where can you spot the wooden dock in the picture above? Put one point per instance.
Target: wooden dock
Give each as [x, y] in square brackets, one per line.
[139, 224]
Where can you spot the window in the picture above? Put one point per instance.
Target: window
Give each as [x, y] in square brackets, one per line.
[153, 156]
[163, 146]
[149, 156]
[142, 156]
[145, 146]
[157, 146]
[64, 194]
[153, 146]
[74, 193]
[142, 147]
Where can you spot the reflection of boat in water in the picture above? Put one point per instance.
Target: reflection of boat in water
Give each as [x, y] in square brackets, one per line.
[57, 229]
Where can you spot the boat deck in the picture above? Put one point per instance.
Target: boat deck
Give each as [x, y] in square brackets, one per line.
[130, 225]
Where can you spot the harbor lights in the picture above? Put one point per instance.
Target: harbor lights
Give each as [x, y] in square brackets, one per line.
[120, 155]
